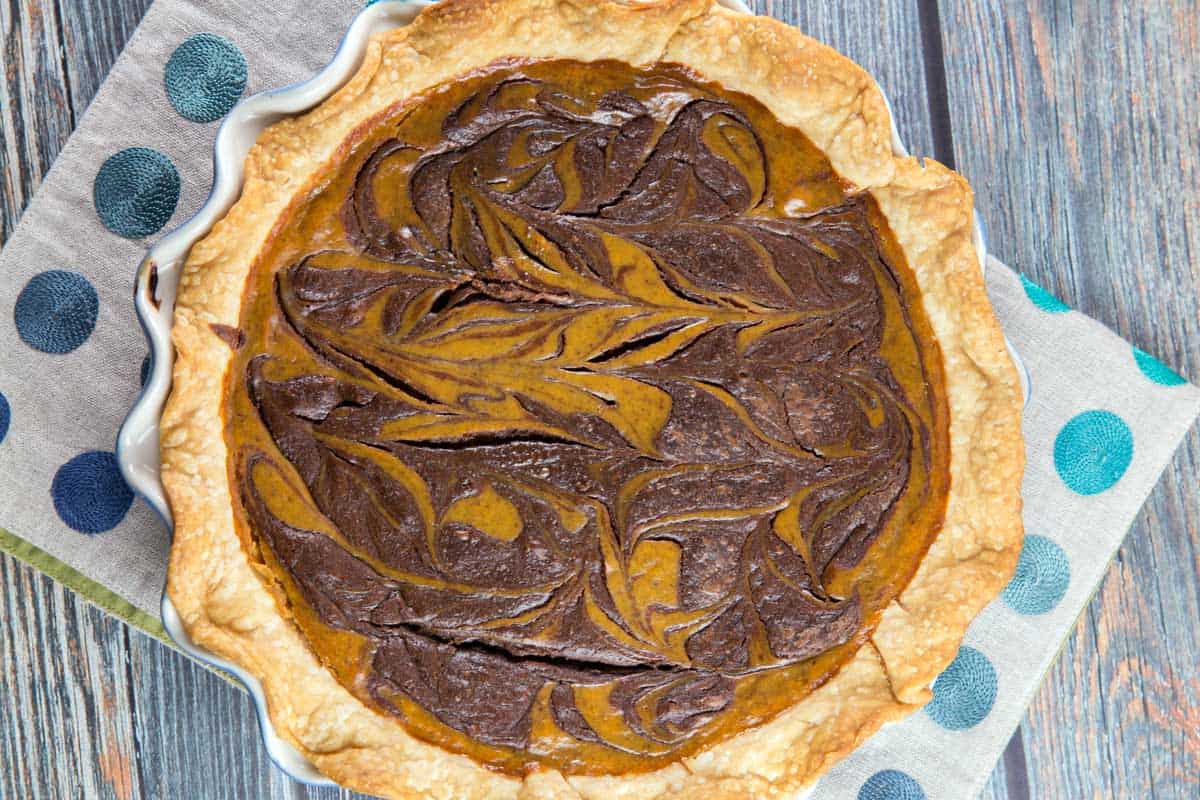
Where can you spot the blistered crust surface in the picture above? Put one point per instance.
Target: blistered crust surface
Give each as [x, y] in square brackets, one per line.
[227, 604]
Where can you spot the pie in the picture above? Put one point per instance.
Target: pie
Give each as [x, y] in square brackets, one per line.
[585, 401]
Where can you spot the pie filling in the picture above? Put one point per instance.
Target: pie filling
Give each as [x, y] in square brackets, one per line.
[581, 416]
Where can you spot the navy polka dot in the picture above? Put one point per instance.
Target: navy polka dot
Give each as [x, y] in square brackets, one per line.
[1043, 299]
[135, 192]
[965, 693]
[1092, 451]
[89, 493]
[1155, 370]
[891, 784]
[205, 77]
[56, 311]
[5, 416]
[144, 374]
[1041, 579]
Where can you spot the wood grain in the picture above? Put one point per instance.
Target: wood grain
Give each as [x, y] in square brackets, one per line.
[64, 694]
[1059, 117]
[191, 725]
[93, 34]
[1076, 122]
[36, 111]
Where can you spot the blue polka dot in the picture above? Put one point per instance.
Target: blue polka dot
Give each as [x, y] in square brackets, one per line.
[135, 192]
[89, 493]
[963, 694]
[891, 784]
[5, 416]
[1041, 578]
[1043, 299]
[1092, 451]
[1155, 370]
[56, 311]
[144, 374]
[205, 77]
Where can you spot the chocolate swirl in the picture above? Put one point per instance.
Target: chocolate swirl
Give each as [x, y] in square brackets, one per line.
[582, 412]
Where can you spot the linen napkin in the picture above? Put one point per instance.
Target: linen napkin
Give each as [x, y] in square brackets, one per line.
[1102, 421]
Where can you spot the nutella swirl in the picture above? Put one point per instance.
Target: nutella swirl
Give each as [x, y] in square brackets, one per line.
[583, 416]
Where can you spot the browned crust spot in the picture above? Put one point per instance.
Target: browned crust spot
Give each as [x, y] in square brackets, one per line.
[224, 601]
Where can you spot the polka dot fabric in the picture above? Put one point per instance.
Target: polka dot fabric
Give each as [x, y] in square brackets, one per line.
[1043, 299]
[1041, 579]
[1092, 451]
[891, 784]
[135, 192]
[5, 417]
[964, 694]
[205, 77]
[56, 311]
[89, 493]
[1155, 370]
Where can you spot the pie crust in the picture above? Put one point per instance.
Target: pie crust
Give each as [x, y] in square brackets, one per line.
[227, 608]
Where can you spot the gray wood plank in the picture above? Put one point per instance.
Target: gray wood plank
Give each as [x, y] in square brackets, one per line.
[1076, 122]
[93, 33]
[36, 115]
[64, 695]
[996, 787]
[191, 725]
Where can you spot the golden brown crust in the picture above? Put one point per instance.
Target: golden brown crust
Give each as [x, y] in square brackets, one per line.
[226, 605]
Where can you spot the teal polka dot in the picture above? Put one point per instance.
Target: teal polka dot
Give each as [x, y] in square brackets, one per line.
[1041, 578]
[1092, 451]
[1155, 370]
[5, 416]
[965, 693]
[56, 311]
[1043, 299]
[891, 784]
[205, 77]
[135, 192]
[144, 372]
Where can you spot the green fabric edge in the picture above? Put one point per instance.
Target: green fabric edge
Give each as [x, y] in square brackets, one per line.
[82, 585]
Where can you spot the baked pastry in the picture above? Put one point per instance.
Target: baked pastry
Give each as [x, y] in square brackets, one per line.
[586, 402]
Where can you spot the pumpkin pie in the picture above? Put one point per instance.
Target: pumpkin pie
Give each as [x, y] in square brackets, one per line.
[586, 402]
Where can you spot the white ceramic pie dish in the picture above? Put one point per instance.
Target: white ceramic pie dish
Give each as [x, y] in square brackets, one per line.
[158, 278]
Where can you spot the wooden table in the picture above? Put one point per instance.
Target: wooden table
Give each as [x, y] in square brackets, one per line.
[1077, 124]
